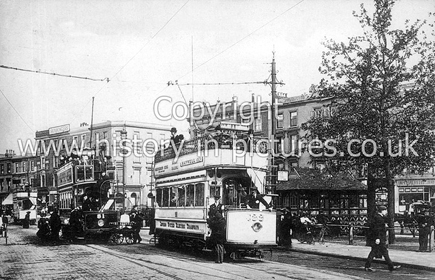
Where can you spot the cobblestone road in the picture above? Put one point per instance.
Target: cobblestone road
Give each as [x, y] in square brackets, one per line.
[26, 258]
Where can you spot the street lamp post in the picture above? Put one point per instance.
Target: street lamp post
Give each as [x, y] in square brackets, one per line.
[123, 137]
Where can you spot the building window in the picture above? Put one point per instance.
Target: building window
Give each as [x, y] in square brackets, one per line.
[280, 121]
[17, 167]
[293, 142]
[317, 112]
[32, 166]
[2, 169]
[9, 168]
[258, 124]
[279, 141]
[105, 135]
[293, 119]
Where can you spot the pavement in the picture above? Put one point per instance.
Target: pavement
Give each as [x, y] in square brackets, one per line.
[405, 258]
[404, 252]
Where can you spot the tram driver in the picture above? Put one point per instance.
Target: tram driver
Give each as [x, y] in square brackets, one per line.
[255, 198]
[215, 207]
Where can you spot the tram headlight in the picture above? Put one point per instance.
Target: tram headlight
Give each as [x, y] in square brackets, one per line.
[256, 227]
[98, 216]
[100, 223]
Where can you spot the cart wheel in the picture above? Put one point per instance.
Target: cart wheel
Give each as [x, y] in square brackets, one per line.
[118, 238]
[129, 239]
[112, 239]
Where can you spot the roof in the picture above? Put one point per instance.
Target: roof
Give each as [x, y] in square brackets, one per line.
[314, 179]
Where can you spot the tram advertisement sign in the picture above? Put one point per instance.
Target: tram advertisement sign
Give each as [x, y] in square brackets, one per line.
[187, 163]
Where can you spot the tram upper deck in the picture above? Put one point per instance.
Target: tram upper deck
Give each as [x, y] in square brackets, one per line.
[203, 153]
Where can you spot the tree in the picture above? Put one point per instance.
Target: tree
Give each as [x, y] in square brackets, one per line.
[381, 86]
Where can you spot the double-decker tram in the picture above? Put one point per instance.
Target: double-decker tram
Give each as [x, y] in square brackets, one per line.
[189, 176]
[87, 209]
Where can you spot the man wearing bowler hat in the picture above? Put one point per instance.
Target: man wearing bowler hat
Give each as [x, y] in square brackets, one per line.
[378, 238]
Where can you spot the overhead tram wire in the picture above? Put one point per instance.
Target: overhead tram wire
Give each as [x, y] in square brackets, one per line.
[243, 38]
[217, 84]
[54, 74]
[16, 111]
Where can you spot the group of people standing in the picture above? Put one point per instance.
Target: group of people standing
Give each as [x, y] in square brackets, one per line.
[49, 228]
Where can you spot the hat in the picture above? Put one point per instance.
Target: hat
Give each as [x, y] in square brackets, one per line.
[382, 208]
[217, 196]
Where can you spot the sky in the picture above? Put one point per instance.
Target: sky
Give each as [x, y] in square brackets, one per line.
[141, 45]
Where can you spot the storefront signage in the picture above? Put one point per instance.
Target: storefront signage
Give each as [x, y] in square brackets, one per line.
[58, 129]
[416, 182]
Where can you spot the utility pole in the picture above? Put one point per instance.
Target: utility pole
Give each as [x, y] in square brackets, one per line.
[124, 169]
[271, 178]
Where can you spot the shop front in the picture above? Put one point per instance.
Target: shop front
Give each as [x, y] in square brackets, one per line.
[413, 190]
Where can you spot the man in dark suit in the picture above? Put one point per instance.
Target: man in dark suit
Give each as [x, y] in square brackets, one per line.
[378, 240]
[215, 207]
[255, 198]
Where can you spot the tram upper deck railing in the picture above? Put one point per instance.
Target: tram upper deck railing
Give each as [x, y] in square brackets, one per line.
[224, 141]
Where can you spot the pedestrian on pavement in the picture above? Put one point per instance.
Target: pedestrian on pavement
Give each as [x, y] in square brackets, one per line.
[4, 224]
[286, 228]
[5, 220]
[76, 222]
[378, 240]
[423, 233]
[26, 221]
[43, 228]
[55, 225]
[137, 222]
[217, 225]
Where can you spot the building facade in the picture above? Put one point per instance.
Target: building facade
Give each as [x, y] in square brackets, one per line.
[122, 146]
[19, 181]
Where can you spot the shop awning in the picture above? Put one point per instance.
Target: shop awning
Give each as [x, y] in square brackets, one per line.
[314, 179]
[8, 200]
[33, 200]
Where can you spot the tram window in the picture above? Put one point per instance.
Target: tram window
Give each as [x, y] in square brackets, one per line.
[174, 196]
[199, 194]
[159, 193]
[181, 197]
[215, 191]
[190, 195]
[165, 197]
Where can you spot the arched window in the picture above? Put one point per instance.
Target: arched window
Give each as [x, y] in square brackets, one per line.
[133, 198]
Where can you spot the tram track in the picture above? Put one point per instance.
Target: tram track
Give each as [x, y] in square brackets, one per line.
[181, 264]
